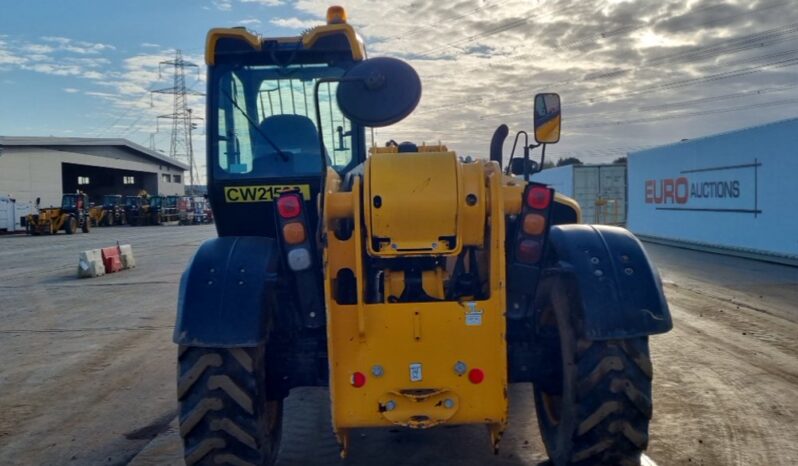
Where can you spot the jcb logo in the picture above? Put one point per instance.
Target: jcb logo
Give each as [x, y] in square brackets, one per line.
[263, 193]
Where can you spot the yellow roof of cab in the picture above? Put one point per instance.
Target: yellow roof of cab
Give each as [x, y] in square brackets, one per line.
[337, 25]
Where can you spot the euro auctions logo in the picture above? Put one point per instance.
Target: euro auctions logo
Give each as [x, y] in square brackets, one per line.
[729, 188]
[680, 190]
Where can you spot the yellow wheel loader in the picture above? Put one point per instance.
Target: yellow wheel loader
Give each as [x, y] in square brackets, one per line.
[71, 216]
[415, 284]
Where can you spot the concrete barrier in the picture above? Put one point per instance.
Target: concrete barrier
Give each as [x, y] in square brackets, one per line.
[90, 264]
[111, 259]
[126, 252]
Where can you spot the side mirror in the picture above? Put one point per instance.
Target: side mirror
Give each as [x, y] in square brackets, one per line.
[379, 92]
[517, 166]
[547, 118]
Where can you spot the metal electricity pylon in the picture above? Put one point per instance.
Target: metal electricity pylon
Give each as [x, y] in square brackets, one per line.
[180, 146]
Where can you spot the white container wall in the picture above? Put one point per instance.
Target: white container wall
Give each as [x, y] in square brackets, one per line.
[731, 191]
[600, 190]
[21, 209]
[7, 215]
[11, 213]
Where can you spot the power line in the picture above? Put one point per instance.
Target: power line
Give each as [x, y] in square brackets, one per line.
[688, 114]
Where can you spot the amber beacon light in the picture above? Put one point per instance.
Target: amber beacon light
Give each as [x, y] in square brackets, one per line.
[336, 15]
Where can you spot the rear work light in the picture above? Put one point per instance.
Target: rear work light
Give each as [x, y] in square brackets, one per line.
[538, 197]
[289, 205]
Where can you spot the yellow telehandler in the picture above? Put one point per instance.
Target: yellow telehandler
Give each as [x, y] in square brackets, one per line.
[71, 216]
[415, 284]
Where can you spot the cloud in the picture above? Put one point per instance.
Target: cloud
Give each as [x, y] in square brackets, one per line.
[8, 57]
[223, 5]
[481, 62]
[629, 73]
[150, 45]
[265, 2]
[73, 46]
[37, 48]
[294, 23]
[71, 90]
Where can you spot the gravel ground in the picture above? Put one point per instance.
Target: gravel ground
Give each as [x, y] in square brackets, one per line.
[87, 366]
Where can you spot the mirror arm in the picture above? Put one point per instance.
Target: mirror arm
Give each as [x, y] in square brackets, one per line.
[512, 152]
[542, 156]
[527, 151]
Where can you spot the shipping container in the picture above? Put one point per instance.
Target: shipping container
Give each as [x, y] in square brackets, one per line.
[600, 190]
[730, 192]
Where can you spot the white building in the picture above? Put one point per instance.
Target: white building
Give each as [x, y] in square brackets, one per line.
[47, 167]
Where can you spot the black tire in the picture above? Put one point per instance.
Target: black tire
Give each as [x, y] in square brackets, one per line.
[86, 227]
[598, 411]
[71, 225]
[225, 416]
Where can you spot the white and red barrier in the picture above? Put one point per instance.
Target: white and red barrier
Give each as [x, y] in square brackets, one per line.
[98, 262]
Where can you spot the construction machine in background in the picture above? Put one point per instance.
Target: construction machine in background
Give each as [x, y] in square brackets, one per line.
[415, 284]
[155, 210]
[137, 210]
[111, 211]
[185, 210]
[114, 210]
[169, 214]
[71, 216]
[202, 211]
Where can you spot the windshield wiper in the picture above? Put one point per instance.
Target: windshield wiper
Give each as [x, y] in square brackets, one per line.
[283, 155]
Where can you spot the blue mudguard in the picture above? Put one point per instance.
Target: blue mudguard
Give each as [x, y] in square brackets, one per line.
[226, 293]
[620, 289]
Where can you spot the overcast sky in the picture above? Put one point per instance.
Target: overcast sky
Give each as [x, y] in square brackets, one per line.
[631, 73]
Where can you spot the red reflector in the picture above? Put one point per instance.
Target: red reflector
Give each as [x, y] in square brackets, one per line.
[289, 205]
[529, 251]
[358, 379]
[476, 376]
[538, 197]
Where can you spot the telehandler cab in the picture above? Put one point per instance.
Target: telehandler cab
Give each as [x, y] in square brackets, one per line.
[414, 284]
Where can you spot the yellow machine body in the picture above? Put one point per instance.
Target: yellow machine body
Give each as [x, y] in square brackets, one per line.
[97, 213]
[414, 359]
[48, 221]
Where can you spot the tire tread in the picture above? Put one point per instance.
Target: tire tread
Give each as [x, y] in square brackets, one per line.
[223, 406]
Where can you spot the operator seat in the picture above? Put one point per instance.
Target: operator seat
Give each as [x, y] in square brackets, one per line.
[294, 134]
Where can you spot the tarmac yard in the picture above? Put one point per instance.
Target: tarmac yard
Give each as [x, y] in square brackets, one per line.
[87, 366]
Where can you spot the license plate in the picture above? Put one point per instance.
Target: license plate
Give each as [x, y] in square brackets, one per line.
[262, 193]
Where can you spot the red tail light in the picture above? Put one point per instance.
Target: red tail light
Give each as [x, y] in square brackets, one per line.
[358, 379]
[538, 197]
[289, 205]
